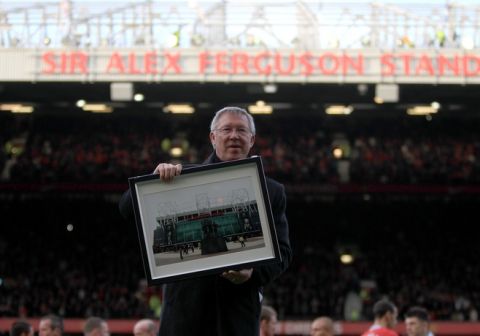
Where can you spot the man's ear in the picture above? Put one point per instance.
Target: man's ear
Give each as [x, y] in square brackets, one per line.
[262, 324]
[212, 139]
[252, 141]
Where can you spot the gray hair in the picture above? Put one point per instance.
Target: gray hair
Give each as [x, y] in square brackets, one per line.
[91, 324]
[267, 313]
[233, 110]
[55, 321]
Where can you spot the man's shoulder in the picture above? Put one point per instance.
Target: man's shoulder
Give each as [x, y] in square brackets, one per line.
[271, 183]
[380, 332]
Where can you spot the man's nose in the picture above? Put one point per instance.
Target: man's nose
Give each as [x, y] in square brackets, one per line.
[234, 133]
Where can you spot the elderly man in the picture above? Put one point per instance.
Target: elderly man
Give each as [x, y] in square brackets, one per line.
[322, 326]
[145, 327]
[268, 321]
[227, 303]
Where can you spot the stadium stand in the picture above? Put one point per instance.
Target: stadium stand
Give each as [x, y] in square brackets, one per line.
[398, 194]
[415, 252]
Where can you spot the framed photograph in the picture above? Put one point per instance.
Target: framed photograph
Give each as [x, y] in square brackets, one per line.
[207, 220]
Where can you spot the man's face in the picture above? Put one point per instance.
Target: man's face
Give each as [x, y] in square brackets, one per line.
[392, 319]
[104, 331]
[45, 328]
[416, 327]
[268, 327]
[141, 329]
[321, 328]
[232, 138]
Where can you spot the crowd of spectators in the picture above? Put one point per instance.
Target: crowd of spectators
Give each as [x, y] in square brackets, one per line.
[74, 256]
[297, 151]
[94, 267]
[401, 250]
[92, 270]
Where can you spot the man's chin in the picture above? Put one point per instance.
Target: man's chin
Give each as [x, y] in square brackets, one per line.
[234, 155]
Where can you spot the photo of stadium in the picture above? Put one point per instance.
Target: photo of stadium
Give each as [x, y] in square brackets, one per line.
[365, 118]
[190, 230]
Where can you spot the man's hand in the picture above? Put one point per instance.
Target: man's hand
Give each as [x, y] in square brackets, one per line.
[238, 277]
[168, 171]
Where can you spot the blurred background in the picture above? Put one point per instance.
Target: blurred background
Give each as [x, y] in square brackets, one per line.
[366, 112]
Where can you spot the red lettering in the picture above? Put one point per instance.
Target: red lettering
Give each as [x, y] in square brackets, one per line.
[63, 63]
[348, 61]
[203, 62]
[48, 59]
[258, 60]
[240, 61]
[424, 64]
[471, 59]
[78, 59]
[444, 62]
[278, 64]
[388, 68]
[220, 63]
[132, 64]
[406, 63]
[307, 67]
[172, 62]
[150, 62]
[115, 62]
[328, 59]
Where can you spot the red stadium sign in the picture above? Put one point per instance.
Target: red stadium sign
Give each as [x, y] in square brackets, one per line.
[265, 63]
[426, 66]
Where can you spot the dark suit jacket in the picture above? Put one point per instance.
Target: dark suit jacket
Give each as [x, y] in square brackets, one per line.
[212, 305]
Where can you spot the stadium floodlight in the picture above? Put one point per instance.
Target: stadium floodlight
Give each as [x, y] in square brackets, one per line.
[176, 151]
[179, 109]
[81, 103]
[339, 109]
[138, 97]
[97, 108]
[260, 107]
[270, 88]
[337, 153]
[422, 110]
[346, 258]
[435, 105]
[16, 108]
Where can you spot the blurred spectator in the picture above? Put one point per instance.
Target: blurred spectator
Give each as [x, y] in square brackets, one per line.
[95, 326]
[21, 328]
[268, 321]
[145, 327]
[417, 322]
[50, 325]
[107, 150]
[322, 326]
[385, 320]
[58, 151]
